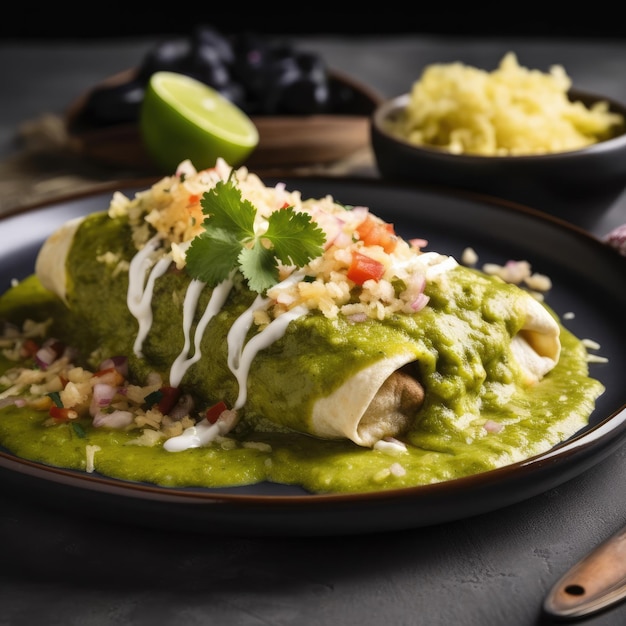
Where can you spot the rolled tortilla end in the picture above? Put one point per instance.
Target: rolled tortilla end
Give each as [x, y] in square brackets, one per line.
[377, 402]
[52, 257]
[537, 346]
[398, 400]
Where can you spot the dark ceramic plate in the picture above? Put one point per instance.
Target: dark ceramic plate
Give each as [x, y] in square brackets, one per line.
[588, 279]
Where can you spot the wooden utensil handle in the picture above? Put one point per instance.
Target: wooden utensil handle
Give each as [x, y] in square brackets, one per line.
[594, 583]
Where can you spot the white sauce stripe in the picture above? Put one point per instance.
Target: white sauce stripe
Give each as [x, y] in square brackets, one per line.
[140, 291]
[190, 306]
[202, 434]
[183, 361]
[271, 333]
[239, 330]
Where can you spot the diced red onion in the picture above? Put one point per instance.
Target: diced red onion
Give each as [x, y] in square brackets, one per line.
[420, 302]
[361, 213]
[418, 243]
[332, 225]
[119, 363]
[492, 426]
[49, 352]
[102, 396]
[11, 400]
[418, 284]
[343, 240]
[617, 239]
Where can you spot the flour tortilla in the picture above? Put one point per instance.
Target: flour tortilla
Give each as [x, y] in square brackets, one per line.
[50, 265]
[537, 346]
[377, 402]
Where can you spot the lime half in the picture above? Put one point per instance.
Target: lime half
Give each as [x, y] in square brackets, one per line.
[182, 118]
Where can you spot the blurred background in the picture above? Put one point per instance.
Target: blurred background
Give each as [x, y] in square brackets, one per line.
[52, 57]
[485, 19]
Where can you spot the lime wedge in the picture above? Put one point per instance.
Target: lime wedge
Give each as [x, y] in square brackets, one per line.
[182, 118]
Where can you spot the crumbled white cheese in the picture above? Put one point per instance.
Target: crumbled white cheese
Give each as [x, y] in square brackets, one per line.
[397, 470]
[596, 358]
[257, 445]
[90, 453]
[469, 256]
[390, 446]
[591, 344]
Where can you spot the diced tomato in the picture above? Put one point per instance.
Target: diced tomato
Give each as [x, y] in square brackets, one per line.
[212, 413]
[365, 226]
[58, 347]
[29, 348]
[364, 268]
[194, 198]
[169, 397]
[374, 233]
[62, 414]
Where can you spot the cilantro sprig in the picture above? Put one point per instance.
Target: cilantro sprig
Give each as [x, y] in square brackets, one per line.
[229, 240]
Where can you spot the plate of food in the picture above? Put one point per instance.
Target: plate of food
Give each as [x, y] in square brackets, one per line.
[305, 112]
[302, 356]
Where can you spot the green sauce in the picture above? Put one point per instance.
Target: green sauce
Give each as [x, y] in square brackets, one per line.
[440, 450]
[468, 385]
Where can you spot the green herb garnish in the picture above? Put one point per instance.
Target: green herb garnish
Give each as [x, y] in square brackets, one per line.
[79, 431]
[229, 242]
[55, 396]
[154, 397]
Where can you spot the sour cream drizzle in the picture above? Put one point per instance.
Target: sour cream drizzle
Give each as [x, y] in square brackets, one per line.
[202, 433]
[183, 361]
[140, 290]
[196, 436]
[240, 358]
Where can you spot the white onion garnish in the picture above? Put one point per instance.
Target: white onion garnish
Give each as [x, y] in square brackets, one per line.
[116, 420]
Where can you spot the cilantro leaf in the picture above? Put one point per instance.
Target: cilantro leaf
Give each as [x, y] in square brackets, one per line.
[259, 267]
[229, 241]
[295, 237]
[225, 208]
[212, 255]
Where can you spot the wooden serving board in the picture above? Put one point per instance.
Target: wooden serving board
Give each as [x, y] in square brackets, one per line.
[284, 141]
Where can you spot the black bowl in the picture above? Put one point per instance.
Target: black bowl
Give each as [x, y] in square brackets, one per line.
[578, 185]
